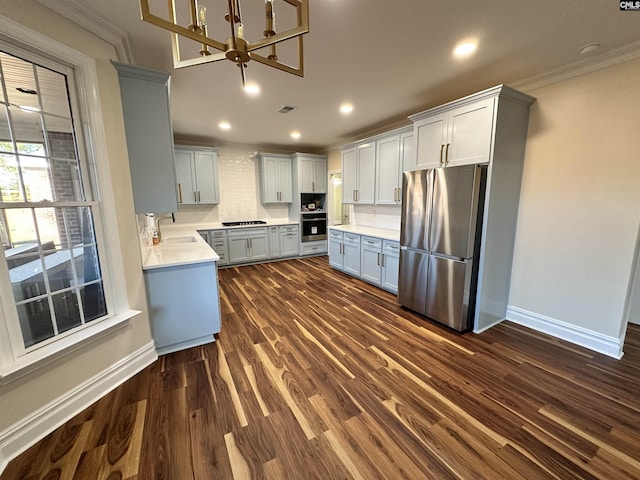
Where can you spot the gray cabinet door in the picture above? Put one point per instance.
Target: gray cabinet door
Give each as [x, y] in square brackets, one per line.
[352, 259]
[238, 249]
[259, 247]
[371, 267]
[336, 258]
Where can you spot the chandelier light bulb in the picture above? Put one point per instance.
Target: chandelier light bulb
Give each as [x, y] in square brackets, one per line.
[203, 16]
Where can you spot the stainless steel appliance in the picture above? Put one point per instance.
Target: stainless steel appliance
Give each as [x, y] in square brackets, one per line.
[314, 226]
[440, 234]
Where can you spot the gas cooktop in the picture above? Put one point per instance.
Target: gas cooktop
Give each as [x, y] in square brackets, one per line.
[246, 222]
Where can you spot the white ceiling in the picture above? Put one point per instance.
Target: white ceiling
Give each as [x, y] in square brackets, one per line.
[390, 58]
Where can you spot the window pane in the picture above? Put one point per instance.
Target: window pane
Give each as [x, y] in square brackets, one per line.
[53, 92]
[20, 226]
[59, 270]
[25, 272]
[10, 185]
[35, 322]
[50, 227]
[6, 145]
[67, 310]
[27, 126]
[93, 302]
[87, 264]
[20, 81]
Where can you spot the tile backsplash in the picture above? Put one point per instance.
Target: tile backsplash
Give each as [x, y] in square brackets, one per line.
[376, 216]
[239, 177]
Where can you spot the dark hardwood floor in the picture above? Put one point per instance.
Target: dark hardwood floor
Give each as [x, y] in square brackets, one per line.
[319, 375]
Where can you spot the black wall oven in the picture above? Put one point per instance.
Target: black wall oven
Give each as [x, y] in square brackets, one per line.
[314, 226]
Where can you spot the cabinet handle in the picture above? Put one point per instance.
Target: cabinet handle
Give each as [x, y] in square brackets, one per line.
[446, 155]
[198, 196]
[378, 258]
[441, 148]
[354, 195]
[179, 193]
[313, 186]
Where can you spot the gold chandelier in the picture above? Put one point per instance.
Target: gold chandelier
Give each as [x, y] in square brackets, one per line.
[235, 47]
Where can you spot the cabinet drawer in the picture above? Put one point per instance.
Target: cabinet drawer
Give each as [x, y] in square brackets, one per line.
[390, 247]
[336, 235]
[310, 249]
[219, 233]
[219, 242]
[288, 228]
[351, 238]
[247, 232]
[372, 242]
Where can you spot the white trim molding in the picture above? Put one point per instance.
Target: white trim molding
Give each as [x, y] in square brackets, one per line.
[22, 435]
[610, 346]
[579, 67]
[83, 17]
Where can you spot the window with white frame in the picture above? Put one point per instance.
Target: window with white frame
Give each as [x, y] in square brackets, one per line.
[48, 216]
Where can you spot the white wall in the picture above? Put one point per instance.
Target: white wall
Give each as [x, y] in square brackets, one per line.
[580, 203]
[21, 398]
[239, 177]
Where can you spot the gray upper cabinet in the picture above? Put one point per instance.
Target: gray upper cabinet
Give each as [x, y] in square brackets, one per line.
[276, 180]
[312, 173]
[197, 175]
[147, 121]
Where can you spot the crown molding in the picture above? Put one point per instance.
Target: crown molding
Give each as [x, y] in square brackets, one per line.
[75, 12]
[574, 69]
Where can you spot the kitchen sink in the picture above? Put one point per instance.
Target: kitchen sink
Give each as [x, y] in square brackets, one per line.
[180, 240]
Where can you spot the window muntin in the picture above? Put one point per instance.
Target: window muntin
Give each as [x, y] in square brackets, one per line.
[46, 223]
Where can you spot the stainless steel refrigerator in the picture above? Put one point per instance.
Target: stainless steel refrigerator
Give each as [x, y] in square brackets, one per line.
[440, 243]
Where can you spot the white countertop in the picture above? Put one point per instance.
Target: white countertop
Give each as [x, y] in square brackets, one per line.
[169, 227]
[170, 253]
[370, 231]
[173, 250]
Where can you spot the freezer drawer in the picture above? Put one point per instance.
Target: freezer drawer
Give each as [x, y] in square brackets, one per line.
[448, 288]
[412, 282]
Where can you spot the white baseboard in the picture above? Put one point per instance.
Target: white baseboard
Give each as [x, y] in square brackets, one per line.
[22, 435]
[598, 342]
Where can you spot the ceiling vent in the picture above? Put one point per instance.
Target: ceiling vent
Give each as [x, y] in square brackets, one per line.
[286, 109]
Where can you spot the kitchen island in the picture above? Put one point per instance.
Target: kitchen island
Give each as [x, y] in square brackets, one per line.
[181, 277]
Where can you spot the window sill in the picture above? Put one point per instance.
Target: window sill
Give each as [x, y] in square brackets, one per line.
[54, 351]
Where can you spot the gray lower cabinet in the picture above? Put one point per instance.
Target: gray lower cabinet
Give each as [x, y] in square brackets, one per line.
[184, 305]
[372, 259]
[248, 244]
[351, 249]
[217, 239]
[289, 240]
[390, 265]
[147, 123]
[336, 255]
[371, 252]
[284, 241]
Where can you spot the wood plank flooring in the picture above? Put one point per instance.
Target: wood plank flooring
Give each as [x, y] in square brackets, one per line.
[319, 375]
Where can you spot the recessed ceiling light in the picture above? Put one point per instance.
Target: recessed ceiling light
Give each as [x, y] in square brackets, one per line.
[295, 135]
[346, 108]
[591, 48]
[464, 49]
[224, 126]
[252, 89]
